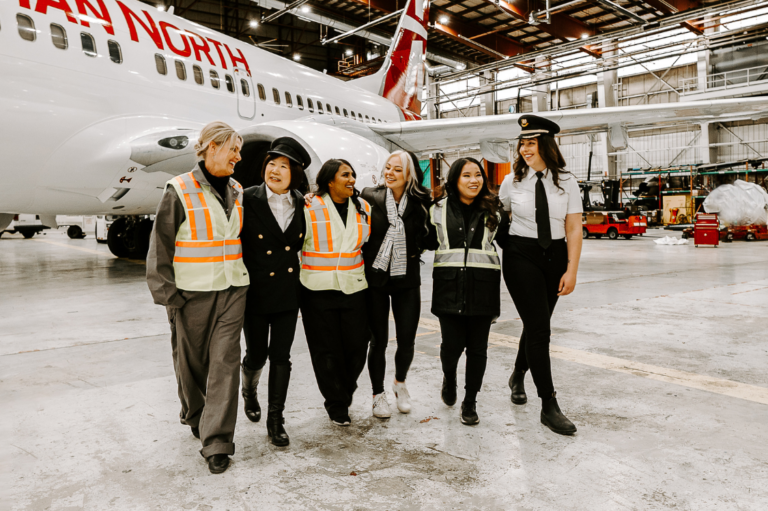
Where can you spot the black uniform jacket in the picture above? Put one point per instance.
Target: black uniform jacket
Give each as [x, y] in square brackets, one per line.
[416, 222]
[467, 291]
[270, 254]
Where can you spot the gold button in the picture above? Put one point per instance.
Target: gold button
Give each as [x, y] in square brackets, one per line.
[290, 270]
[269, 252]
[261, 236]
[287, 249]
[301, 235]
[272, 274]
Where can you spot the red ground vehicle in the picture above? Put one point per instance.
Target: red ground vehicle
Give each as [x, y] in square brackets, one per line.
[737, 232]
[605, 223]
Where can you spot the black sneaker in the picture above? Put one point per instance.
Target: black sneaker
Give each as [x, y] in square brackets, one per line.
[342, 420]
[448, 394]
[469, 413]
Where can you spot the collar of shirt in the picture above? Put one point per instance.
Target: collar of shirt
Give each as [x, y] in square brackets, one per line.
[286, 197]
[532, 174]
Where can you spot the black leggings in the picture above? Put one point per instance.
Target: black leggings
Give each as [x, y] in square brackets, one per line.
[260, 345]
[533, 275]
[460, 333]
[406, 308]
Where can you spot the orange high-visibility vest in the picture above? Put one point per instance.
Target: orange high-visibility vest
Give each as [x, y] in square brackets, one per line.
[332, 257]
[209, 255]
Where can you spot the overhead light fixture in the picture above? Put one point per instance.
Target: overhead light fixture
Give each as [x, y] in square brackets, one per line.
[349, 52]
[305, 8]
[254, 23]
[296, 56]
[443, 20]
[161, 8]
[585, 36]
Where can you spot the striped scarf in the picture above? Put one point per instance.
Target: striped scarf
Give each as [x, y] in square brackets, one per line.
[392, 253]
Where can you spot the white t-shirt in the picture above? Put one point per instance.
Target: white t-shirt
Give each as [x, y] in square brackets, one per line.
[281, 206]
[520, 199]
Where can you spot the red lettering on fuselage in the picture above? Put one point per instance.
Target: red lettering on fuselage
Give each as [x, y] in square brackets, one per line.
[153, 32]
[217, 44]
[235, 60]
[102, 14]
[62, 5]
[184, 52]
[204, 48]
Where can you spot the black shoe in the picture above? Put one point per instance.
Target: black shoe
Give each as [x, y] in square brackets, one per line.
[341, 420]
[196, 432]
[553, 418]
[469, 413]
[448, 394]
[517, 386]
[218, 463]
[250, 385]
[279, 376]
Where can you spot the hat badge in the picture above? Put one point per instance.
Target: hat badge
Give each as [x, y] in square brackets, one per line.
[524, 123]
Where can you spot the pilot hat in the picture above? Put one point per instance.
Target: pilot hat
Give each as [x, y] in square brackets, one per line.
[534, 126]
[291, 149]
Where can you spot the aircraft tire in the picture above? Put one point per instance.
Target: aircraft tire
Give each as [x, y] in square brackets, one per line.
[28, 234]
[117, 238]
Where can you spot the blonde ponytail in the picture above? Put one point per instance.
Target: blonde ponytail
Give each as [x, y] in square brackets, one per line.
[218, 132]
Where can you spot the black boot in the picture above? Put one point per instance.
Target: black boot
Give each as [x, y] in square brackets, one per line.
[448, 392]
[279, 376]
[218, 463]
[517, 385]
[469, 413]
[250, 385]
[553, 418]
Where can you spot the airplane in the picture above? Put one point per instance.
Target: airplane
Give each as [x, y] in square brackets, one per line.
[101, 102]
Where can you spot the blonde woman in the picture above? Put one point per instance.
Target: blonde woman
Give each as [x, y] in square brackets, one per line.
[399, 224]
[195, 269]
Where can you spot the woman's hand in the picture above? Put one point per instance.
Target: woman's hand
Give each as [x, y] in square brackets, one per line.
[308, 198]
[567, 283]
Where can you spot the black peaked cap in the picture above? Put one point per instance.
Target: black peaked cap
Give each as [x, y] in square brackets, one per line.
[291, 149]
[533, 126]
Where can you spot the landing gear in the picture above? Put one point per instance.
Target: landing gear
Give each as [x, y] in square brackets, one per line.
[129, 237]
[75, 232]
[28, 234]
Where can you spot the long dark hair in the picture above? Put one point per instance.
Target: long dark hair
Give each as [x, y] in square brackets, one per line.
[549, 152]
[298, 179]
[328, 173]
[485, 201]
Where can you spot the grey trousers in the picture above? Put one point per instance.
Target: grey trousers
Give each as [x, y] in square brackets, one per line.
[205, 339]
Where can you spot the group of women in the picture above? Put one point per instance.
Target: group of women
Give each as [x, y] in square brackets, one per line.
[345, 259]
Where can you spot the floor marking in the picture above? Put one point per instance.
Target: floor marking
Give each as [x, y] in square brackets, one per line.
[684, 378]
[91, 251]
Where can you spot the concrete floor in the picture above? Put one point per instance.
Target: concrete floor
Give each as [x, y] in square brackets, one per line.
[89, 404]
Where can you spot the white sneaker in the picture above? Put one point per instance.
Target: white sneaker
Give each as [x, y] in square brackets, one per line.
[403, 398]
[381, 406]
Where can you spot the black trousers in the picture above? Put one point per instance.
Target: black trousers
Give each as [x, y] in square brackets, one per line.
[269, 336]
[533, 275]
[406, 308]
[336, 327]
[468, 333]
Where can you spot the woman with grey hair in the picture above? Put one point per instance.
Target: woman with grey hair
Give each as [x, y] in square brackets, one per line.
[399, 216]
[195, 269]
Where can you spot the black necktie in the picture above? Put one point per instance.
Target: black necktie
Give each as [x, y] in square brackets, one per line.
[542, 214]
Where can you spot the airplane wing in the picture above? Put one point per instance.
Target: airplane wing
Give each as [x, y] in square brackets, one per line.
[442, 134]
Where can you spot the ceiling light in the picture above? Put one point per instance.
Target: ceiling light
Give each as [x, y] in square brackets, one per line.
[296, 56]
[161, 8]
[254, 23]
[443, 20]
[585, 36]
[305, 8]
[349, 52]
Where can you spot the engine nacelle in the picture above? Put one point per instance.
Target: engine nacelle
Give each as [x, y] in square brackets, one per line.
[321, 141]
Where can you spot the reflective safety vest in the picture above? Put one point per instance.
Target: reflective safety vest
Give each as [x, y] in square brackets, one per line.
[331, 258]
[209, 255]
[445, 256]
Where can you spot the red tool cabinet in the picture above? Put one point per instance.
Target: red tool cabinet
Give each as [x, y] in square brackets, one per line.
[706, 230]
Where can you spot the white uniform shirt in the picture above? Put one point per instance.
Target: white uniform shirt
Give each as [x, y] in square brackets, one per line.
[281, 206]
[520, 199]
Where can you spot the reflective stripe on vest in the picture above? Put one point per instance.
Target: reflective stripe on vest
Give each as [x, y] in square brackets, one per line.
[445, 256]
[324, 258]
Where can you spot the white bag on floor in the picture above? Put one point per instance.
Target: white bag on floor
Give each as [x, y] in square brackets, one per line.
[670, 240]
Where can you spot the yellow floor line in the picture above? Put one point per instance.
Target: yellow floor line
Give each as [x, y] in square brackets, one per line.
[684, 378]
[89, 250]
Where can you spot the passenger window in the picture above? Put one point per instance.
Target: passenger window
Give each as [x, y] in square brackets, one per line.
[181, 70]
[288, 100]
[89, 45]
[215, 79]
[310, 106]
[230, 83]
[26, 27]
[115, 54]
[199, 79]
[160, 64]
[345, 113]
[276, 96]
[300, 102]
[338, 112]
[373, 120]
[59, 36]
[353, 113]
[379, 121]
[319, 107]
[360, 116]
[262, 92]
[328, 108]
[244, 87]
[367, 119]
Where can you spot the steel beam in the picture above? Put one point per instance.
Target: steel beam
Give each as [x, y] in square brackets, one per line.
[363, 27]
[563, 26]
[288, 8]
[621, 10]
